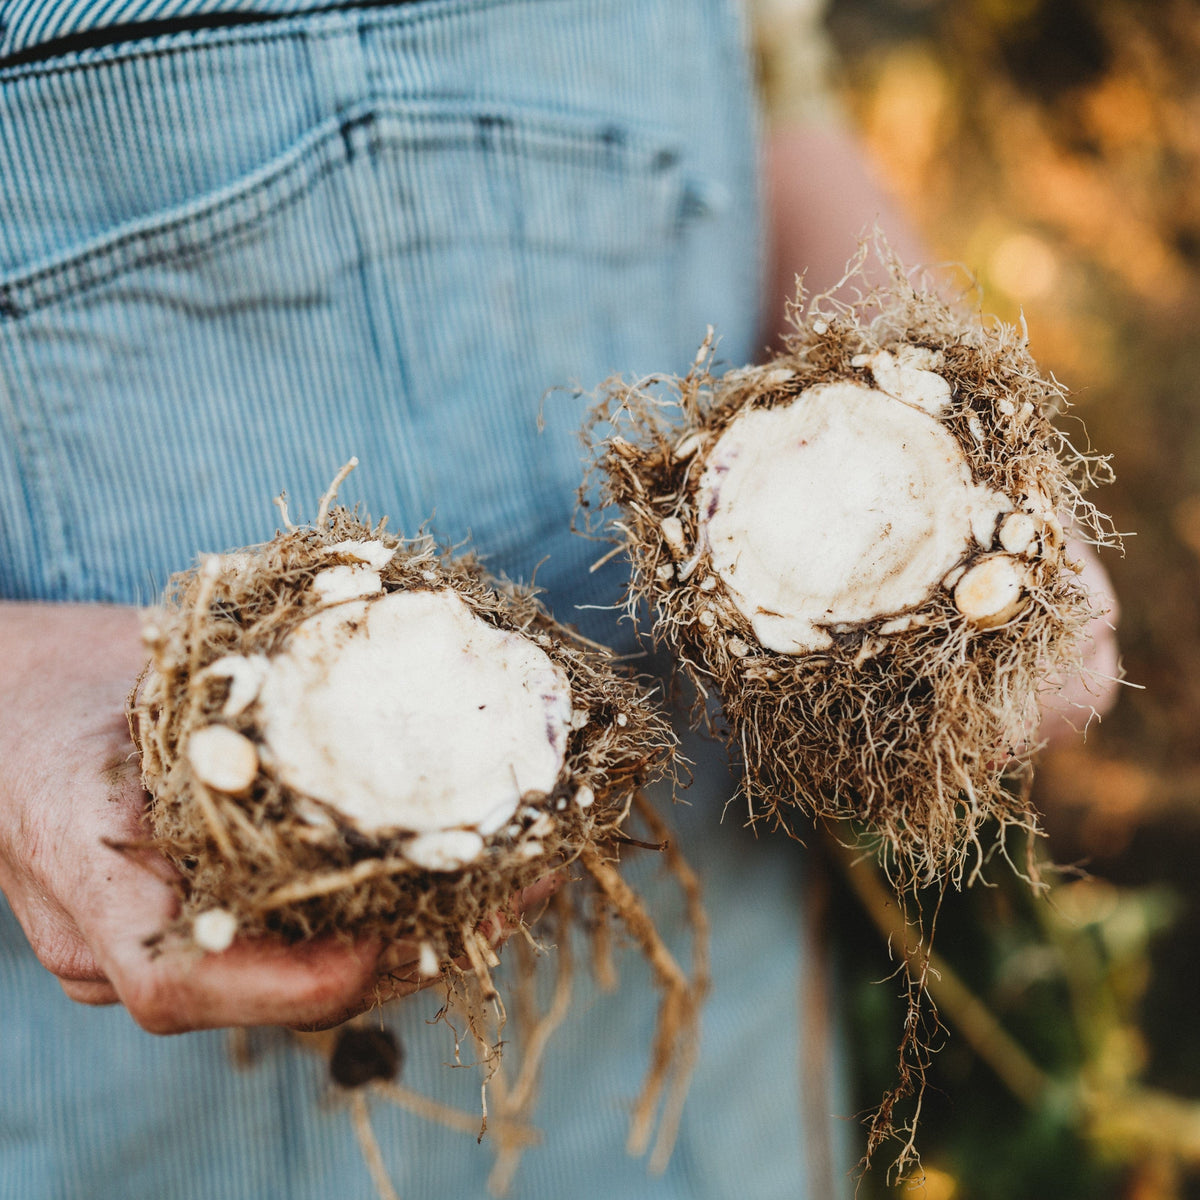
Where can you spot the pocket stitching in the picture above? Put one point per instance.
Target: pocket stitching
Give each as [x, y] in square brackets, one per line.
[154, 239]
[42, 286]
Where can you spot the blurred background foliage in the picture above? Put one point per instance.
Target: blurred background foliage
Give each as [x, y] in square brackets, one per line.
[1052, 147]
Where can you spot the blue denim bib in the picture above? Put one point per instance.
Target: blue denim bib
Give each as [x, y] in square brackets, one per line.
[229, 260]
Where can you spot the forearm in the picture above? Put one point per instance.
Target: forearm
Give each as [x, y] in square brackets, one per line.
[822, 194]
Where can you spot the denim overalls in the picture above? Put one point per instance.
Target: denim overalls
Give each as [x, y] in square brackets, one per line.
[232, 257]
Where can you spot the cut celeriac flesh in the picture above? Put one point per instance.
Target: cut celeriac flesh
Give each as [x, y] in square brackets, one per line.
[410, 712]
[372, 552]
[335, 584]
[445, 850]
[844, 505]
[860, 554]
[880, 507]
[906, 377]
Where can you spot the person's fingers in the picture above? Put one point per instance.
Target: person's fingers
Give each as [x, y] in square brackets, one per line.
[312, 985]
[89, 993]
[541, 891]
[255, 982]
[71, 791]
[1072, 700]
[54, 937]
[397, 974]
[74, 963]
[503, 924]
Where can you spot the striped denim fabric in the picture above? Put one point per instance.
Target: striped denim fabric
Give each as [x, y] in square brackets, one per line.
[229, 262]
[31, 29]
[229, 259]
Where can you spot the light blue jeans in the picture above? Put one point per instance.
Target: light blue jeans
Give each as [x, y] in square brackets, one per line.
[231, 259]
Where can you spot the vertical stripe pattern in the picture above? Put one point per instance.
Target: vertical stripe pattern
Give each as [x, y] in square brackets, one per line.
[232, 258]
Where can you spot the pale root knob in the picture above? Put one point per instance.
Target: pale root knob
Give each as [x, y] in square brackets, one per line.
[214, 930]
[987, 507]
[777, 377]
[223, 759]
[991, 592]
[543, 826]
[427, 961]
[446, 850]
[1018, 533]
[953, 576]
[672, 531]
[907, 379]
[245, 674]
[902, 624]
[335, 584]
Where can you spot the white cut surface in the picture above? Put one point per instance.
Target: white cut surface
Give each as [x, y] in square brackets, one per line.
[374, 553]
[992, 591]
[672, 531]
[335, 584]
[845, 505]
[906, 377]
[1018, 533]
[410, 712]
[223, 759]
[984, 518]
[427, 961]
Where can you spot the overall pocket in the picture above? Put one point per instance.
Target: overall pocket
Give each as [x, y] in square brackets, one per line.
[404, 284]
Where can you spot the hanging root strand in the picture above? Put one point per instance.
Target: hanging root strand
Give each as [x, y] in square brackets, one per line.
[697, 918]
[368, 1143]
[677, 1027]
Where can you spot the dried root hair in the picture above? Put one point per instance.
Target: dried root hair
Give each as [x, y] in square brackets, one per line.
[262, 861]
[909, 740]
[919, 736]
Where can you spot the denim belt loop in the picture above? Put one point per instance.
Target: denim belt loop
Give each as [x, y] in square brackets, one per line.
[337, 61]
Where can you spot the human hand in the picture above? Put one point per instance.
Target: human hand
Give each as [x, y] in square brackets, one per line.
[69, 784]
[1070, 703]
